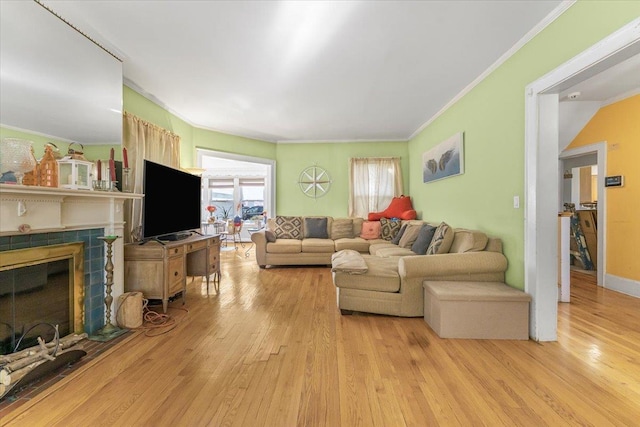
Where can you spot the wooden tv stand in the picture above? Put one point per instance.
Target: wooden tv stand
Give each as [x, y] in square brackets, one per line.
[160, 270]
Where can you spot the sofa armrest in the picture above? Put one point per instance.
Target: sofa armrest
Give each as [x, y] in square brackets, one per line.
[259, 238]
[444, 266]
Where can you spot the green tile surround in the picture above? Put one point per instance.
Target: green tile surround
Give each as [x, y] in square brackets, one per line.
[93, 265]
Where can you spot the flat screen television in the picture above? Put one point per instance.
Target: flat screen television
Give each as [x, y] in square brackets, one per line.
[171, 203]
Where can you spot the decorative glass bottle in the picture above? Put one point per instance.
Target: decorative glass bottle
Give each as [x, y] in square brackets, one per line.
[48, 169]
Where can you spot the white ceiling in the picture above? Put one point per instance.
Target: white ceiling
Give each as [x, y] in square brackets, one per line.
[307, 70]
[610, 85]
[619, 81]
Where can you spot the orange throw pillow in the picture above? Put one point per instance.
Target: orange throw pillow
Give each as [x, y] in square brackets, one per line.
[370, 230]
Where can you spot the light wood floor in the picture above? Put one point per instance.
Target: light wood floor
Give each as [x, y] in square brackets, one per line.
[273, 350]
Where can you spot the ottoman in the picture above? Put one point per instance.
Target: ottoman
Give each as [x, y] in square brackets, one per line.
[476, 310]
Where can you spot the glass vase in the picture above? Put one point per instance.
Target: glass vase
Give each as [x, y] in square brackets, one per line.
[16, 155]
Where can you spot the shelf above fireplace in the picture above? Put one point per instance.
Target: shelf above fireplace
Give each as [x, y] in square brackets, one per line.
[27, 209]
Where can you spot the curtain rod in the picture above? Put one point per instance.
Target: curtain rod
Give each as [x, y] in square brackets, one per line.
[149, 124]
[376, 158]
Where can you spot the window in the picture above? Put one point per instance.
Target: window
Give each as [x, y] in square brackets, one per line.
[237, 185]
[373, 182]
[236, 196]
[251, 198]
[221, 195]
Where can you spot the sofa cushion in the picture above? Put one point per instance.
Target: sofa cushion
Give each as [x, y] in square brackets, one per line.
[342, 228]
[382, 275]
[442, 239]
[270, 235]
[285, 246]
[370, 230]
[288, 227]
[396, 239]
[389, 228]
[394, 251]
[357, 244]
[375, 247]
[318, 245]
[423, 240]
[468, 241]
[315, 228]
[410, 235]
[357, 226]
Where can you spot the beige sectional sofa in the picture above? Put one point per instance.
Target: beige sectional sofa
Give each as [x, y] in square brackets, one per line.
[302, 249]
[392, 282]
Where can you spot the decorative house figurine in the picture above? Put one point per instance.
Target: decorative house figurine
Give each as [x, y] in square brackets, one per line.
[48, 169]
[75, 174]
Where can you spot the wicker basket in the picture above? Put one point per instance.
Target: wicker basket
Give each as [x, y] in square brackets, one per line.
[129, 314]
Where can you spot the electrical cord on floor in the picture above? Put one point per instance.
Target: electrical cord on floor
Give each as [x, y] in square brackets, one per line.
[152, 320]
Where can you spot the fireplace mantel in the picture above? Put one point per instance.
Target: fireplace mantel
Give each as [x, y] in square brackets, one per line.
[31, 209]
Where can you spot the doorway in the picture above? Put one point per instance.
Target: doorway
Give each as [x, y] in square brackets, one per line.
[238, 187]
[541, 177]
[584, 159]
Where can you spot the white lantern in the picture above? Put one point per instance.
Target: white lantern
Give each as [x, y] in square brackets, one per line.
[75, 174]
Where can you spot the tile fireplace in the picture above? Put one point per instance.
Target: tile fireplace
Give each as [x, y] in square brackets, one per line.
[37, 221]
[55, 278]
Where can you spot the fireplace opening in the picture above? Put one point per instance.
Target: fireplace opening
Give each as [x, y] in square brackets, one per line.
[40, 287]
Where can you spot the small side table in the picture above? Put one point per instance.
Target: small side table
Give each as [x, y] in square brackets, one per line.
[251, 244]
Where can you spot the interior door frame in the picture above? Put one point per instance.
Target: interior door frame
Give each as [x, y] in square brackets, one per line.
[541, 172]
[600, 149]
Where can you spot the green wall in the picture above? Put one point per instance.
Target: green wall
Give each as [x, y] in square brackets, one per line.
[492, 119]
[292, 159]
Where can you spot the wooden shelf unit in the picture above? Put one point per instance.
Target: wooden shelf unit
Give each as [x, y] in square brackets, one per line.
[160, 270]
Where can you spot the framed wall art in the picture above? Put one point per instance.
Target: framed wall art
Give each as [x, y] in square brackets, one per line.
[444, 160]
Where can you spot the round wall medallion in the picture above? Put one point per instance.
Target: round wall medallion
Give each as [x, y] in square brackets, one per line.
[314, 181]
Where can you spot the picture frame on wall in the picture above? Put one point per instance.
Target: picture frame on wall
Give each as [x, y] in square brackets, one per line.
[445, 160]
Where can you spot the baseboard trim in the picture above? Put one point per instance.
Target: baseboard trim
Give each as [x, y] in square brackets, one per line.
[621, 284]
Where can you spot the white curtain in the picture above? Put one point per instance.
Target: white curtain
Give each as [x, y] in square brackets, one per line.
[144, 140]
[373, 182]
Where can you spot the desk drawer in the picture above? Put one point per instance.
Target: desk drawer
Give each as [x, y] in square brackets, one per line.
[191, 247]
[175, 251]
[176, 274]
[214, 257]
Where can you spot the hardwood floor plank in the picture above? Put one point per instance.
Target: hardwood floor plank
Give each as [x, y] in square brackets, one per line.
[272, 349]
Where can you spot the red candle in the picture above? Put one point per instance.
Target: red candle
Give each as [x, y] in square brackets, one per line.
[112, 169]
[99, 167]
[125, 158]
[112, 153]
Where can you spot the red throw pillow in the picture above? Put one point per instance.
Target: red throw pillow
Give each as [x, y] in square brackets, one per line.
[370, 230]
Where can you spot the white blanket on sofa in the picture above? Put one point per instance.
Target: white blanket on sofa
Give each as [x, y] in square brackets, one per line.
[348, 261]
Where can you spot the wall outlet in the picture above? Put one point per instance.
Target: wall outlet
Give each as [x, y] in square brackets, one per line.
[516, 202]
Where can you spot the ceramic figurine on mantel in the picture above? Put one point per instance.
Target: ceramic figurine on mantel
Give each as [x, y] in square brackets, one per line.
[48, 169]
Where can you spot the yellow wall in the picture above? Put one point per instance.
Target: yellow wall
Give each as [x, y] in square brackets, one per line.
[619, 125]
